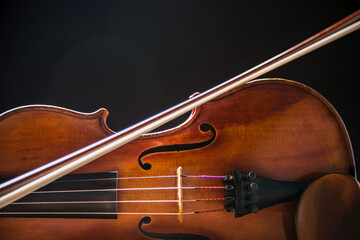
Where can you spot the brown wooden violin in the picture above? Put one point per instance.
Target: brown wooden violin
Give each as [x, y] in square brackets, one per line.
[233, 170]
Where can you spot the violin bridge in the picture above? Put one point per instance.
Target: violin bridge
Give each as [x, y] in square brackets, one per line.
[180, 207]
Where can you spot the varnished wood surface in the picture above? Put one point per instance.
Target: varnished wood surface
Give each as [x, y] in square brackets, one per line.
[329, 209]
[276, 128]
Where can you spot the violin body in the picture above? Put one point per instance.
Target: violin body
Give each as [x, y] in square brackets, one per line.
[279, 129]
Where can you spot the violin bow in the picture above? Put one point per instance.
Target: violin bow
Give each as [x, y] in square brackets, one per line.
[24, 184]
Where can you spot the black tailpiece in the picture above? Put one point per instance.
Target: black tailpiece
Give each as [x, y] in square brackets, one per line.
[253, 193]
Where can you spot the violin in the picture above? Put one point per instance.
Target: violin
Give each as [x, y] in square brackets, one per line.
[247, 152]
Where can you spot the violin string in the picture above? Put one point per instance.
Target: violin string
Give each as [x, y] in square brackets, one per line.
[110, 213]
[146, 177]
[93, 213]
[131, 189]
[123, 201]
[212, 211]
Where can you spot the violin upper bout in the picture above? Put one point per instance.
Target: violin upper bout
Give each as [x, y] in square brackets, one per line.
[33, 135]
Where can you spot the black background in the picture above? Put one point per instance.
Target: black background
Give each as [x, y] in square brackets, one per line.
[137, 58]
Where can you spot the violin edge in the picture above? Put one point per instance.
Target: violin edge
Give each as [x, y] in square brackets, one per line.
[101, 114]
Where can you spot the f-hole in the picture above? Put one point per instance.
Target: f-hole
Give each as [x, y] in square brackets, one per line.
[147, 220]
[205, 127]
